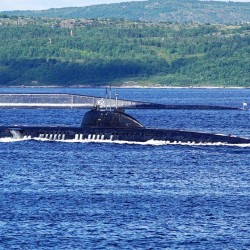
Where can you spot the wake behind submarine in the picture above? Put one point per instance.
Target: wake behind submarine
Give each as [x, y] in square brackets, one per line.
[115, 125]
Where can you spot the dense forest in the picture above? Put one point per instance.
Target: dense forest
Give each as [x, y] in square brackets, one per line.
[181, 11]
[42, 51]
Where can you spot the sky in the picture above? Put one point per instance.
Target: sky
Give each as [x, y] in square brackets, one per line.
[46, 4]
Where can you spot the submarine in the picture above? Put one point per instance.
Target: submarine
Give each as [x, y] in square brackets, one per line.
[115, 125]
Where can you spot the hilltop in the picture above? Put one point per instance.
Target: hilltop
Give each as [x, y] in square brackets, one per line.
[181, 11]
[66, 52]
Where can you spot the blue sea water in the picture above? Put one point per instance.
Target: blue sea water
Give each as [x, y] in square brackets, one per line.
[65, 195]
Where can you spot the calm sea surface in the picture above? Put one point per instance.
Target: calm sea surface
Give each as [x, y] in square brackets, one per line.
[65, 195]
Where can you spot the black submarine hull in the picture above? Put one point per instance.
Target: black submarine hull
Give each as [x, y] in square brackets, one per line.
[118, 134]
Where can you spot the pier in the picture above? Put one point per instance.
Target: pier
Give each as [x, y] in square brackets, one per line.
[48, 100]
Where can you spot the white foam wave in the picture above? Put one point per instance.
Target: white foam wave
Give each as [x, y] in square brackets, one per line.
[161, 143]
[149, 142]
[10, 139]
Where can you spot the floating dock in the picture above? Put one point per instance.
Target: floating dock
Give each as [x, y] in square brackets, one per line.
[49, 100]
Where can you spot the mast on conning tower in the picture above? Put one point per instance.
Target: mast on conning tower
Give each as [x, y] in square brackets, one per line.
[116, 100]
[110, 97]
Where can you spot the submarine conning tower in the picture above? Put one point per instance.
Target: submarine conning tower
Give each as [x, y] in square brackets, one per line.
[109, 119]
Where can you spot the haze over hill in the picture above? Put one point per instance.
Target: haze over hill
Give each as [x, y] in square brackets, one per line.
[8, 5]
[154, 11]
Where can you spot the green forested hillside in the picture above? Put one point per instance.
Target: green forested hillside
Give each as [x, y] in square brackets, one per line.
[80, 51]
[181, 11]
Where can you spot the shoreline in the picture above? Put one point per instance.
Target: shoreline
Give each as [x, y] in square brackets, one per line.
[120, 87]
